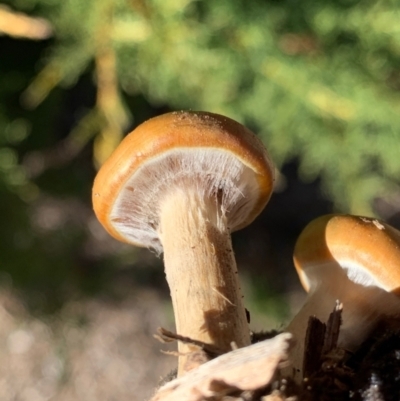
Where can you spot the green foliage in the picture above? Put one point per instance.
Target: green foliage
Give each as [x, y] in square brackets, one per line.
[318, 80]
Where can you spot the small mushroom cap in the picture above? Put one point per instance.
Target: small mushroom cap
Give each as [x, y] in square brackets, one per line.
[367, 249]
[204, 152]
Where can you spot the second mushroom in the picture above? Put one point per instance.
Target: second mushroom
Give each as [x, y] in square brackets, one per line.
[180, 184]
[354, 260]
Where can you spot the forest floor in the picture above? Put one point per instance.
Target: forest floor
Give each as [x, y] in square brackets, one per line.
[93, 350]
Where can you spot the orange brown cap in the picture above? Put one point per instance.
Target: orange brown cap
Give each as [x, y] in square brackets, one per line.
[367, 249]
[208, 153]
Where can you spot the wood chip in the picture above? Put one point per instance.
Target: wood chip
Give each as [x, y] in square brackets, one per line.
[245, 369]
[314, 344]
[333, 328]
[321, 340]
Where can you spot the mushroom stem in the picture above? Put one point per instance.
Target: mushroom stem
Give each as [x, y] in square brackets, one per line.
[201, 272]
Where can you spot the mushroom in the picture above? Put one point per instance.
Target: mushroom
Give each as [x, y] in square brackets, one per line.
[352, 259]
[180, 184]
